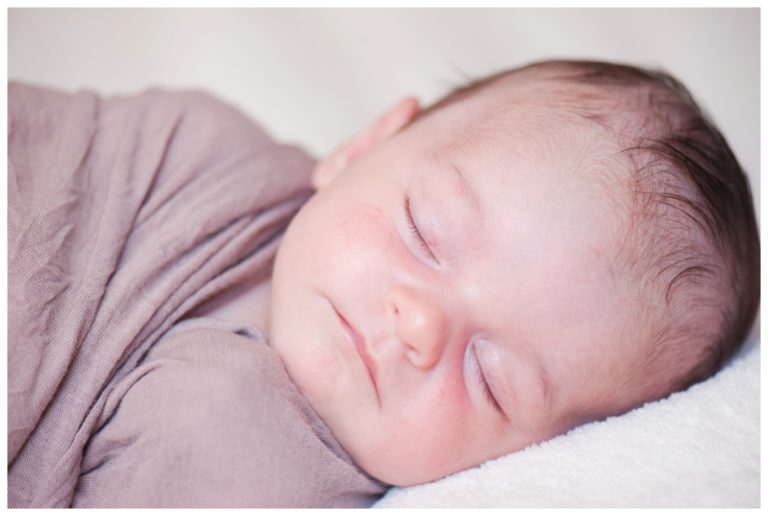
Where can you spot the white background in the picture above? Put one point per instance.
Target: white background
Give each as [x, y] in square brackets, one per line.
[316, 76]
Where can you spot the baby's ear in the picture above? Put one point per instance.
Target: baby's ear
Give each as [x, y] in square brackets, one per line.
[385, 126]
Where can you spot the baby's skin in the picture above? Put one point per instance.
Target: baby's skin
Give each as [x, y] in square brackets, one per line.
[447, 296]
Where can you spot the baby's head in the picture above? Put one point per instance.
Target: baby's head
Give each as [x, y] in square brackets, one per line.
[546, 247]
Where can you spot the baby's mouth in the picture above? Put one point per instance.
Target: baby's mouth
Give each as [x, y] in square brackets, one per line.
[357, 341]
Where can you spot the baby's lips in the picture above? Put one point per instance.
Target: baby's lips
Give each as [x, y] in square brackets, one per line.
[360, 346]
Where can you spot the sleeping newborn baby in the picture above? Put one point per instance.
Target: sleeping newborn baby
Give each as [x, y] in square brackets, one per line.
[549, 246]
[545, 247]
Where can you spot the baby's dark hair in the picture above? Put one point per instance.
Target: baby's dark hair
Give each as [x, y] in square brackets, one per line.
[692, 248]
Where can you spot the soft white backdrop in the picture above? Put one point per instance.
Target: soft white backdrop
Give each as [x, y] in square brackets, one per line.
[315, 76]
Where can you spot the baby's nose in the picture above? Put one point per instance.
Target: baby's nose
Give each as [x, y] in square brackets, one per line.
[420, 324]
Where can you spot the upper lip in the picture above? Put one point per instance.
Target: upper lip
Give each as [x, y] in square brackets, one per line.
[359, 343]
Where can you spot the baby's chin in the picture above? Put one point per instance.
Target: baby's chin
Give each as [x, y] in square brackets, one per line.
[313, 371]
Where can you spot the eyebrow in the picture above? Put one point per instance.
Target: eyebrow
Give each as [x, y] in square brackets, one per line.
[546, 385]
[462, 180]
[466, 187]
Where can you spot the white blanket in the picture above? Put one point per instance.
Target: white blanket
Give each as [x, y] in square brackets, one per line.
[698, 448]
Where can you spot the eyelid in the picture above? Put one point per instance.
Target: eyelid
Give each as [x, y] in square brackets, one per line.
[415, 230]
[485, 385]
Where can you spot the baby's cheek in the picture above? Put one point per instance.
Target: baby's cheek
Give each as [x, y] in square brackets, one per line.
[444, 428]
[413, 451]
[316, 373]
[369, 248]
[365, 226]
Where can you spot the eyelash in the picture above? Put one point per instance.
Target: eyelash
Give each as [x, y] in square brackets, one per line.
[484, 384]
[415, 230]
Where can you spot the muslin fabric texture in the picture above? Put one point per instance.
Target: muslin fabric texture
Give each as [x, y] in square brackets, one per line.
[123, 215]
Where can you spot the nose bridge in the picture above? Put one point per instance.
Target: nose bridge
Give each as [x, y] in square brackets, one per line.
[421, 323]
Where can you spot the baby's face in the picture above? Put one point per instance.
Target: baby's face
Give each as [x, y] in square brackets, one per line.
[441, 303]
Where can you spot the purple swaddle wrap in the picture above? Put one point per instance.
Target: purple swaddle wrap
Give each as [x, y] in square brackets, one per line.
[123, 215]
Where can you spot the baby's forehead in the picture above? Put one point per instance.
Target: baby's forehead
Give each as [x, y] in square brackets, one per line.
[563, 166]
[537, 136]
[558, 164]
[529, 124]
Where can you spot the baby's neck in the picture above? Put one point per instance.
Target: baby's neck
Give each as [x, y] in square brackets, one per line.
[247, 303]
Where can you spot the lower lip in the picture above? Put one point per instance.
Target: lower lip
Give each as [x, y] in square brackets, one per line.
[358, 347]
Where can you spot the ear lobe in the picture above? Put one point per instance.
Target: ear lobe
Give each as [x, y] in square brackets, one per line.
[386, 126]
